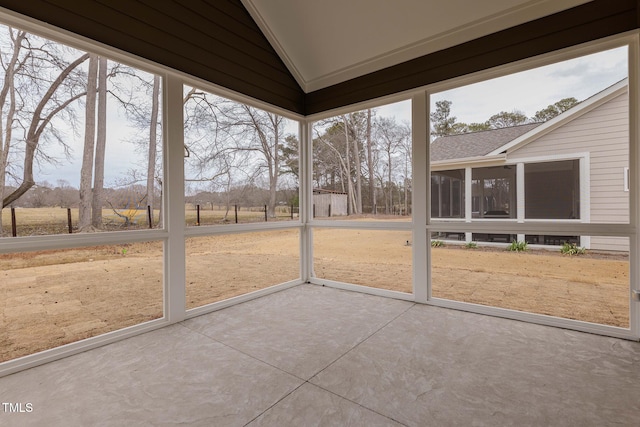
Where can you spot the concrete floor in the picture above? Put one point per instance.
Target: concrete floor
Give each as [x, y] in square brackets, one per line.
[317, 356]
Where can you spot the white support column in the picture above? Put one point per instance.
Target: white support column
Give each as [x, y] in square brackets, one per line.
[306, 201]
[520, 206]
[174, 254]
[468, 200]
[634, 184]
[421, 197]
[585, 194]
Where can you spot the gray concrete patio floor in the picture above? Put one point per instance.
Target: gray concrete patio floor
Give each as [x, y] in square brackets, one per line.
[312, 356]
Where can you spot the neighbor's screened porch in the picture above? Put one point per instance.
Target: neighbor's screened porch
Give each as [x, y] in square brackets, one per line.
[551, 192]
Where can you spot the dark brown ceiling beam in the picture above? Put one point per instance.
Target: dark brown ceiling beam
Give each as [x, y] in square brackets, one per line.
[591, 21]
[217, 41]
[224, 47]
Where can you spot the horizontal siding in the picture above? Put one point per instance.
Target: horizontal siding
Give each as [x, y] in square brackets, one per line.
[609, 136]
[603, 133]
[217, 41]
[610, 243]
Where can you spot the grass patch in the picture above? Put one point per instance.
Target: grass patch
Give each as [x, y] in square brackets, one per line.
[517, 246]
[572, 249]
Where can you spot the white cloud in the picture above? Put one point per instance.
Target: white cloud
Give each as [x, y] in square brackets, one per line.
[533, 90]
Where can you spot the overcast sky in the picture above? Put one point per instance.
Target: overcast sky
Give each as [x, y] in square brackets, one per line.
[533, 90]
[528, 91]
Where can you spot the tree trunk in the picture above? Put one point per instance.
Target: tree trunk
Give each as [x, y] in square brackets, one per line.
[406, 193]
[153, 143]
[357, 164]
[8, 88]
[274, 165]
[101, 141]
[350, 196]
[86, 172]
[37, 126]
[372, 186]
[390, 210]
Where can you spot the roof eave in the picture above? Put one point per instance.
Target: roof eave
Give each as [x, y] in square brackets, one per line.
[561, 119]
[461, 163]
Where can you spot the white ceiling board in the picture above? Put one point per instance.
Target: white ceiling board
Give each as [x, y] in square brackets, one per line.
[324, 42]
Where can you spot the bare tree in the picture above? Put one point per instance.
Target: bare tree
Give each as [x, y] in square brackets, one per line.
[266, 129]
[210, 154]
[138, 94]
[370, 169]
[391, 135]
[351, 127]
[101, 142]
[86, 172]
[14, 64]
[153, 145]
[51, 101]
[344, 138]
[226, 139]
[406, 154]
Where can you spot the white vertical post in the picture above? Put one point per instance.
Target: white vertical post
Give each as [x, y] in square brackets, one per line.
[306, 201]
[520, 206]
[520, 203]
[174, 254]
[634, 183]
[421, 197]
[468, 200]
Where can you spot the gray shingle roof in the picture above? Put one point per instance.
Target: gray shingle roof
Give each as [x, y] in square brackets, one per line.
[475, 144]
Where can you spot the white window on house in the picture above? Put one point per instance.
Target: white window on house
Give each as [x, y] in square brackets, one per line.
[552, 190]
[447, 194]
[495, 189]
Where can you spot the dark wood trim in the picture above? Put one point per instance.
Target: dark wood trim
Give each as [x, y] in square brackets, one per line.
[218, 41]
[591, 21]
[215, 40]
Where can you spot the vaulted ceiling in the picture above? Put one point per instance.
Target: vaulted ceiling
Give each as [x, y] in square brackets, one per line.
[309, 56]
[331, 41]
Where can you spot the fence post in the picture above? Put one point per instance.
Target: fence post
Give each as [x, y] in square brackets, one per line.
[291, 211]
[149, 216]
[236, 209]
[265, 213]
[69, 220]
[197, 214]
[314, 210]
[329, 210]
[14, 230]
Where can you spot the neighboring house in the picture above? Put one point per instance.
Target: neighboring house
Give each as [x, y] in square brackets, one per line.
[572, 168]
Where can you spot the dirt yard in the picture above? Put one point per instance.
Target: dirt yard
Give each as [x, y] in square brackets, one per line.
[51, 298]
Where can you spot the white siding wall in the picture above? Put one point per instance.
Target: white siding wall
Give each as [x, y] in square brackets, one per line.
[604, 133]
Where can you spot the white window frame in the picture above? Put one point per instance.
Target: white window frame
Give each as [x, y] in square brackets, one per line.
[578, 227]
[175, 232]
[625, 178]
[314, 224]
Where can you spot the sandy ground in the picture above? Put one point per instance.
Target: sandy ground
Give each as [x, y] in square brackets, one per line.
[56, 297]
